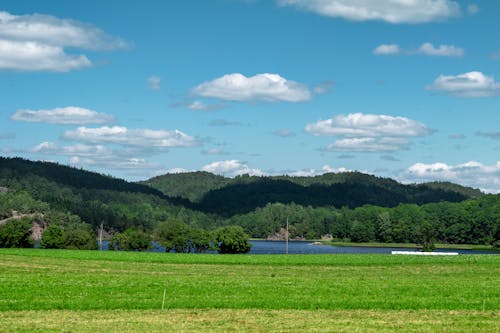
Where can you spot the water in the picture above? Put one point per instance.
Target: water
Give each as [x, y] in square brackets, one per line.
[307, 247]
[304, 247]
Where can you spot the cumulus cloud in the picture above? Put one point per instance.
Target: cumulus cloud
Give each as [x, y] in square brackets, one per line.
[131, 137]
[368, 132]
[472, 173]
[471, 84]
[261, 87]
[385, 49]
[71, 115]
[367, 125]
[111, 162]
[442, 50]
[34, 56]
[95, 156]
[231, 168]
[154, 82]
[37, 42]
[315, 172]
[425, 49]
[392, 11]
[284, 133]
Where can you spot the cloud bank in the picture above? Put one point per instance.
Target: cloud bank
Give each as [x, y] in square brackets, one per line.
[471, 84]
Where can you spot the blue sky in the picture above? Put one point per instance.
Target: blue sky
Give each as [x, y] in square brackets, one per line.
[402, 89]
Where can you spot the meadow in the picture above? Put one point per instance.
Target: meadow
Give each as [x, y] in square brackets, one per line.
[63, 290]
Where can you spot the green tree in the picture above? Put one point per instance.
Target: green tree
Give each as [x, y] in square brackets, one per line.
[16, 233]
[173, 235]
[52, 237]
[130, 240]
[426, 234]
[79, 237]
[232, 239]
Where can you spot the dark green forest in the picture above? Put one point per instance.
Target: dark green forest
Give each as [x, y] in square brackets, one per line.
[350, 206]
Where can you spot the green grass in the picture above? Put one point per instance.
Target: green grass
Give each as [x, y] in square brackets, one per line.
[372, 290]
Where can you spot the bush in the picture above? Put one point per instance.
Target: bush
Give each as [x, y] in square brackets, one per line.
[16, 233]
[232, 239]
[52, 237]
[79, 237]
[131, 239]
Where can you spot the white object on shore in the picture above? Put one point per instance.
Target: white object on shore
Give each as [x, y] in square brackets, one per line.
[416, 253]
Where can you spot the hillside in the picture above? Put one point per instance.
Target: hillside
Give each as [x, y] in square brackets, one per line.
[226, 196]
[45, 187]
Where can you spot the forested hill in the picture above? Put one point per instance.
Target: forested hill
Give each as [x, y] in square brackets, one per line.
[226, 196]
[45, 187]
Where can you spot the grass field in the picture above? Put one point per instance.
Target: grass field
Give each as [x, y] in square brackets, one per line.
[61, 290]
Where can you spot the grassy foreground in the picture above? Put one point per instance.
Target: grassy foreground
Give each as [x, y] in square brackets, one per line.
[62, 290]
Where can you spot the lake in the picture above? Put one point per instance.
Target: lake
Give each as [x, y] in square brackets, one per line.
[307, 247]
[304, 247]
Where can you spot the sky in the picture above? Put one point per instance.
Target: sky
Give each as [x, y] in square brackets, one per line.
[406, 89]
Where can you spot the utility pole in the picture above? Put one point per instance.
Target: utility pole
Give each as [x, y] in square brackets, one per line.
[100, 236]
[286, 238]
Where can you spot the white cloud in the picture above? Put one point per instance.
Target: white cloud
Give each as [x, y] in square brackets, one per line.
[385, 49]
[70, 115]
[231, 168]
[368, 132]
[367, 125]
[37, 42]
[471, 84]
[177, 170]
[392, 11]
[261, 87]
[442, 50]
[214, 151]
[131, 137]
[425, 49]
[95, 156]
[111, 162]
[75, 150]
[472, 173]
[368, 145]
[34, 56]
[154, 82]
[316, 172]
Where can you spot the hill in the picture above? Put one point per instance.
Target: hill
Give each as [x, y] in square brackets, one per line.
[226, 196]
[43, 187]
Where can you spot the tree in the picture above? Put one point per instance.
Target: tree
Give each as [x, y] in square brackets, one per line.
[173, 235]
[131, 239]
[16, 233]
[52, 237]
[79, 237]
[232, 239]
[425, 236]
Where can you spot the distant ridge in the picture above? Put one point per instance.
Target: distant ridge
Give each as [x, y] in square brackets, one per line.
[228, 196]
